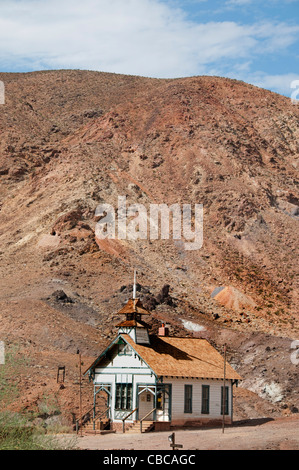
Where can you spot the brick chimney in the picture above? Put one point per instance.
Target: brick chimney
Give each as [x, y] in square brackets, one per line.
[163, 330]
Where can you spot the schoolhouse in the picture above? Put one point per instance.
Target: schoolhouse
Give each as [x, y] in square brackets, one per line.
[154, 382]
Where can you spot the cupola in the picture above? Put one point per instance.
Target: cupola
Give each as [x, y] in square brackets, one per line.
[134, 324]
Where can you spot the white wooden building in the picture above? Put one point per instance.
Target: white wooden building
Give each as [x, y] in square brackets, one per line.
[168, 381]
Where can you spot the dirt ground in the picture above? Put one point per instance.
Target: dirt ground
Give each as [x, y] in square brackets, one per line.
[262, 434]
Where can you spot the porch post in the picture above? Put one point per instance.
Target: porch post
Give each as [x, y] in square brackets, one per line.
[231, 398]
[155, 412]
[94, 405]
[137, 402]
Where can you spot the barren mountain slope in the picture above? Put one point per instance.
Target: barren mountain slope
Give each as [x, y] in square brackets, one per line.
[71, 140]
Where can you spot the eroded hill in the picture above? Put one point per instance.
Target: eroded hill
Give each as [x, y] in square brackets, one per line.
[71, 140]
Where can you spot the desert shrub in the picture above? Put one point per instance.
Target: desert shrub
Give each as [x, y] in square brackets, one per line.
[17, 433]
[14, 362]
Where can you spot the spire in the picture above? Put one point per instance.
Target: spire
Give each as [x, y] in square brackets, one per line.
[134, 286]
[133, 325]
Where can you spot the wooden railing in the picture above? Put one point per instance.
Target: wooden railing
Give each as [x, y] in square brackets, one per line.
[87, 417]
[100, 414]
[84, 418]
[126, 417]
[142, 419]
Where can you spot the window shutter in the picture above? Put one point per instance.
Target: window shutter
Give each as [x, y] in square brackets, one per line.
[188, 399]
[205, 399]
[226, 401]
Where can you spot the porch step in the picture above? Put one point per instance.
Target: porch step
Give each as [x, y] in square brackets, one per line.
[89, 427]
[96, 432]
[147, 426]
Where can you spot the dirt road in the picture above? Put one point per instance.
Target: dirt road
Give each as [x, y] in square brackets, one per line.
[281, 433]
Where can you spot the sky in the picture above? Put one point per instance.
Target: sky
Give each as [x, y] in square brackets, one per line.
[251, 40]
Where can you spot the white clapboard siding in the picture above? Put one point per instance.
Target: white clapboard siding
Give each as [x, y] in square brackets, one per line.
[120, 361]
[124, 369]
[215, 398]
[131, 369]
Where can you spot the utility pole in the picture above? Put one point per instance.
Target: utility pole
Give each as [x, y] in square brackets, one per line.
[224, 391]
[80, 392]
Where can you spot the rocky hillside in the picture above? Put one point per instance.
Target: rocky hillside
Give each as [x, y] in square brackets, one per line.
[71, 140]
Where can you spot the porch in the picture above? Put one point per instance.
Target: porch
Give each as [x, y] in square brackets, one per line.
[117, 408]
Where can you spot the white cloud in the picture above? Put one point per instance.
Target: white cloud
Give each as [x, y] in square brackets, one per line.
[279, 83]
[275, 36]
[141, 37]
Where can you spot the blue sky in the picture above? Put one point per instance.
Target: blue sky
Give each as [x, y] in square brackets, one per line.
[250, 40]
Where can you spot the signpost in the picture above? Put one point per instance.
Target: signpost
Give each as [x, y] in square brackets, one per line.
[171, 438]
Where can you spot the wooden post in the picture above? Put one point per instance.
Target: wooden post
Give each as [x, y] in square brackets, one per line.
[223, 394]
[60, 368]
[175, 446]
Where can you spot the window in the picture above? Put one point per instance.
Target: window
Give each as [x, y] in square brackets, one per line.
[188, 399]
[225, 401]
[205, 399]
[124, 350]
[123, 397]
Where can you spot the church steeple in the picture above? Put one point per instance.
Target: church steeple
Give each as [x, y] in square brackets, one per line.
[134, 285]
[134, 325]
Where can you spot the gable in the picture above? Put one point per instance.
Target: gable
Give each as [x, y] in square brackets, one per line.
[119, 355]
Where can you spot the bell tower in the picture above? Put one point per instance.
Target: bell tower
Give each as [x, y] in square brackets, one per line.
[134, 325]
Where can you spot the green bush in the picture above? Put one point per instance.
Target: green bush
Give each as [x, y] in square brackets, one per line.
[17, 433]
